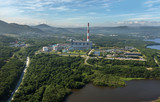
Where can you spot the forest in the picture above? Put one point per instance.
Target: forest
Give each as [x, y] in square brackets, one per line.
[6, 51]
[52, 77]
[12, 60]
[127, 69]
[9, 75]
[10, 67]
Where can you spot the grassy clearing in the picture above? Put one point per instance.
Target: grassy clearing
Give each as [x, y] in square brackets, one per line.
[78, 52]
[129, 79]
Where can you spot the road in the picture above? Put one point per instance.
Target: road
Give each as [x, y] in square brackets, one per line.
[156, 62]
[20, 80]
[90, 52]
[85, 61]
[88, 57]
[84, 56]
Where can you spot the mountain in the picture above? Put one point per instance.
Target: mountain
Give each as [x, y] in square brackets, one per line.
[54, 30]
[46, 30]
[13, 28]
[145, 30]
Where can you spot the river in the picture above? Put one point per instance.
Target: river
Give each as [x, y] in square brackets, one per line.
[20, 80]
[135, 91]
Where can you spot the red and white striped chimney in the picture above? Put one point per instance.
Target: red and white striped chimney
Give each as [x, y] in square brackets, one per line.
[88, 32]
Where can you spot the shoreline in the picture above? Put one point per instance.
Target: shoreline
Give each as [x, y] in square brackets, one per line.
[127, 79]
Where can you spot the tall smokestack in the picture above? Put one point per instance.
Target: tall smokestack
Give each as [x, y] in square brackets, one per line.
[88, 32]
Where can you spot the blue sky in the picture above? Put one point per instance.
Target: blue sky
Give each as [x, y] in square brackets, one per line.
[76, 13]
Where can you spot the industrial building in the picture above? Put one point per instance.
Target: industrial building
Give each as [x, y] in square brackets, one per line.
[82, 45]
[45, 49]
[74, 45]
[58, 47]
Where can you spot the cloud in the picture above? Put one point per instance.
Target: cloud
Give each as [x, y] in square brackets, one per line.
[138, 23]
[108, 4]
[152, 5]
[7, 11]
[148, 2]
[145, 16]
[93, 5]
[60, 8]
[34, 5]
[80, 11]
[92, 13]
[7, 2]
[24, 20]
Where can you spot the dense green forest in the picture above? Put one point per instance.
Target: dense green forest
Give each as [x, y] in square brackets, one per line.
[10, 67]
[5, 40]
[12, 60]
[5, 51]
[51, 77]
[133, 69]
[9, 75]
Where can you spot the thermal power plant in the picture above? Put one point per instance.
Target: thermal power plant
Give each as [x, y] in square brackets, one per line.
[74, 45]
[88, 33]
[82, 45]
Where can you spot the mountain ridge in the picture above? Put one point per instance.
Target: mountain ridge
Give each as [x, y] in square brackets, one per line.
[14, 28]
[44, 29]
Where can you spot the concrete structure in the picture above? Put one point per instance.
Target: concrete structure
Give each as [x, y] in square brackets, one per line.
[58, 47]
[81, 45]
[45, 49]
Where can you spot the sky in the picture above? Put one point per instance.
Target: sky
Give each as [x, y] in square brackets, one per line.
[77, 13]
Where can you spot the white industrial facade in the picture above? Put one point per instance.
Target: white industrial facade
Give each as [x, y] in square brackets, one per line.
[45, 49]
[81, 45]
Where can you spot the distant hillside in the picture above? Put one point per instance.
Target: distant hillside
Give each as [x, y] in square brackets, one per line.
[52, 30]
[125, 30]
[44, 30]
[80, 30]
[14, 28]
